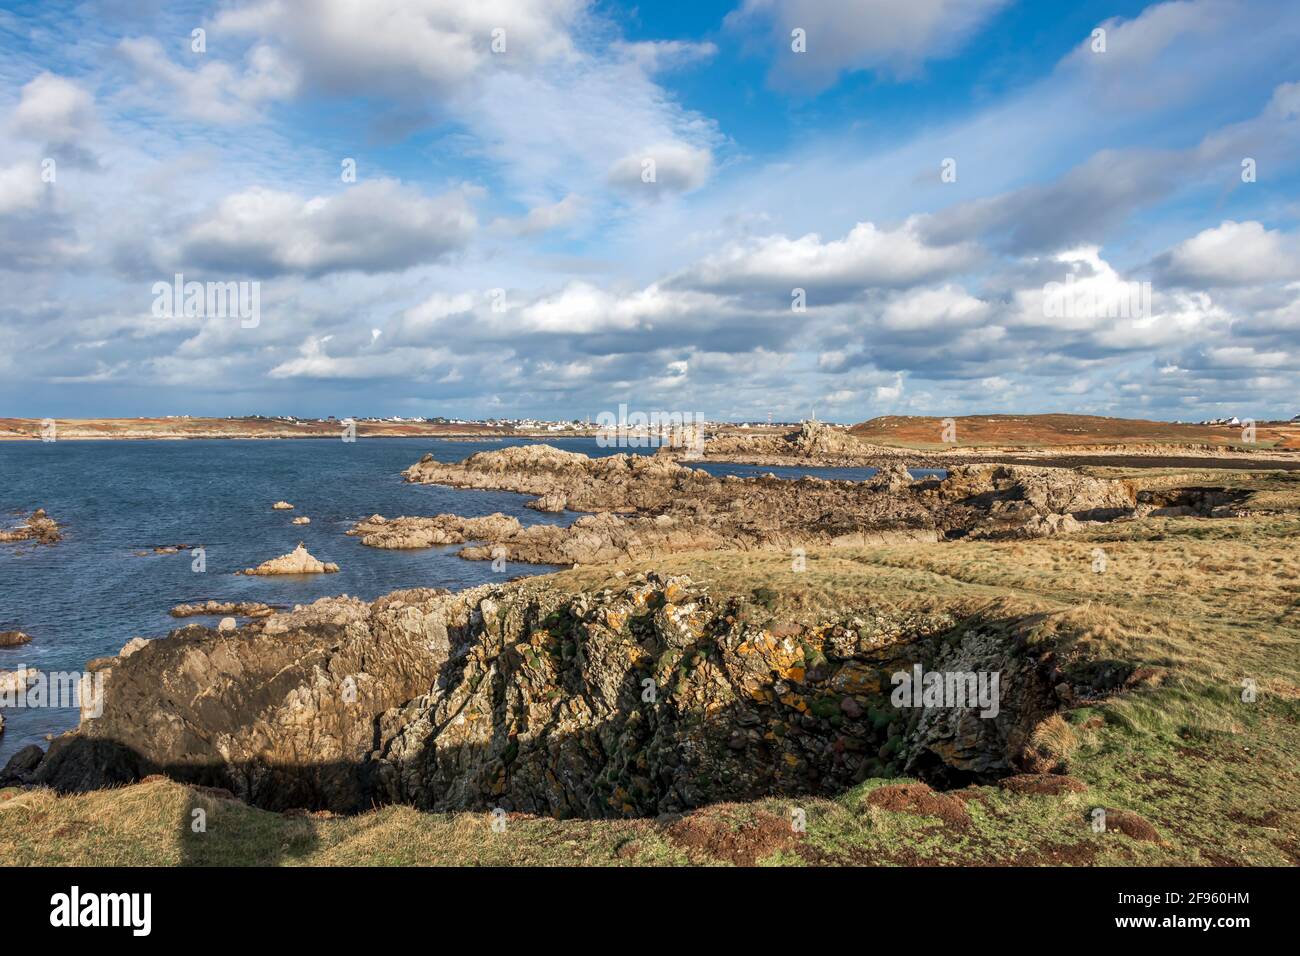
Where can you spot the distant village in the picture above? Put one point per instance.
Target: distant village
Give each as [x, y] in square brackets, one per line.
[512, 424]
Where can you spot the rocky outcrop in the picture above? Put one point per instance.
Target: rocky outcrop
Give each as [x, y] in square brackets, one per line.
[652, 505]
[648, 698]
[13, 639]
[298, 561]
[301, 519]
[282, 506]
[38, 527]
[222, 608]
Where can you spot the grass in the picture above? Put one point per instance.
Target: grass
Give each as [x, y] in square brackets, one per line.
[1198, 605]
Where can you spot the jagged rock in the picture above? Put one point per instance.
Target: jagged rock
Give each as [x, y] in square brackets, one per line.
[648, 698]
[223, 609]
[38, 527]
[282, 506]
[297, 561]
[13, 638]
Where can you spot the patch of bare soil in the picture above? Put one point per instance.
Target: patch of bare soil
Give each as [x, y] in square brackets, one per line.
[919, 799]
[1131, 825]
[1043, 784]
[731, 832]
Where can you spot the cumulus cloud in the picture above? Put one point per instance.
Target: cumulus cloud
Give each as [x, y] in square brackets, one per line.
[314, 361]
[1232, 254]
[375, 226]
[214, 90]
[53, 109]
[661, 169]
[409, 48]
[866, 257]
[894, 36]
[21, 188]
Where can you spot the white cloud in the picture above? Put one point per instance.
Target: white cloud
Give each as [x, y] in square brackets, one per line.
[867, 257]
[21, 189]
[1233, 253]
[53, 109]
[408, 48]
[661, 168]
[214, 91]
[893, 35]
[944, 307]
[376, 226]
[543, 218]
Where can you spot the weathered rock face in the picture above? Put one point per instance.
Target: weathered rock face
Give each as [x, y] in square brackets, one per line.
[38, 527]
[650, 698]
[297, 561]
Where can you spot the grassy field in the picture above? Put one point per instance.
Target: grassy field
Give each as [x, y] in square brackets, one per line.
[1199, 605]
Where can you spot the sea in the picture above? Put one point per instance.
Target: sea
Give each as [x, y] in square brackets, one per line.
[117, 501]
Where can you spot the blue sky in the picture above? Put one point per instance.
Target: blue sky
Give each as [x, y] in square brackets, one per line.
[504, 251]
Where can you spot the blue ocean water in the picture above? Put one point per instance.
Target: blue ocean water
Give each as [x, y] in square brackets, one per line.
[89, 594]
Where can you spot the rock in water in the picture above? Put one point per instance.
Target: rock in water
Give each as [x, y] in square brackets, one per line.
[301, 519]
[282, 506]
[298, 561]
[38, 527]
[13, 638]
